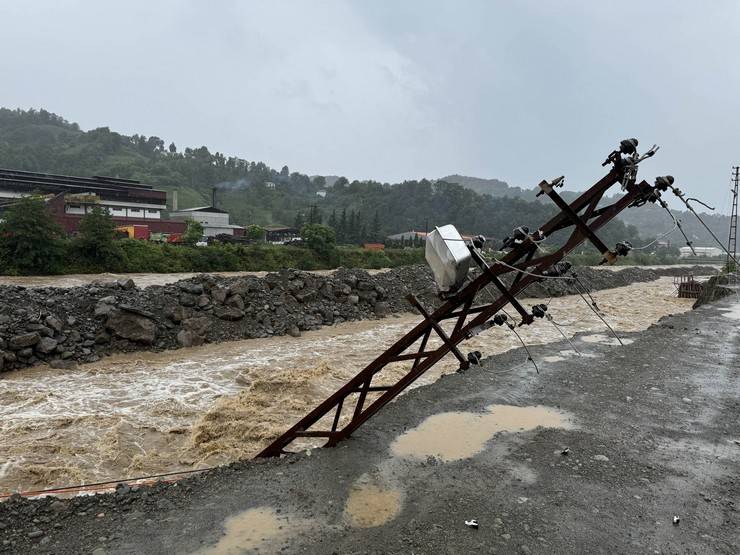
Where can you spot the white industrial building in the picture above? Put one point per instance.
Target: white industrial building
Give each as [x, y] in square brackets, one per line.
[704, 252]
[214, 220]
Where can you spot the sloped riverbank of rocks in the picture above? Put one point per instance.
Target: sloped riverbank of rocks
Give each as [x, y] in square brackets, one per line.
[64, 327]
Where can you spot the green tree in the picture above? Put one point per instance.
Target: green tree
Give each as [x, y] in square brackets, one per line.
[255, 232]
[342, 227]
[314, 215]
[97, 233]
[375, 227]
[193, 233]
[30, 239]
[333, 222]
[319, 182]
[320, 238]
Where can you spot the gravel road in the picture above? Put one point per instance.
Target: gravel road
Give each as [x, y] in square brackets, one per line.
[596, 454]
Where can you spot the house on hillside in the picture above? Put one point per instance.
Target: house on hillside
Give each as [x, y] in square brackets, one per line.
[214, 220]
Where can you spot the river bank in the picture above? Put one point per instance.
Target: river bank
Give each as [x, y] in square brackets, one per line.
[64, 326]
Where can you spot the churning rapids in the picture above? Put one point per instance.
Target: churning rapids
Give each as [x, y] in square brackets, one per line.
[146, 413]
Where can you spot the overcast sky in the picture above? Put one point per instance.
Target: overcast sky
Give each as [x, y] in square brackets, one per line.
[393, 90]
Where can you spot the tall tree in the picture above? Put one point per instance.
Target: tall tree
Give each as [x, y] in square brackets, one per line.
[375, 227]
[97, 233]
[193, 232]
[343, 223]
[29, 238]
[333, 222]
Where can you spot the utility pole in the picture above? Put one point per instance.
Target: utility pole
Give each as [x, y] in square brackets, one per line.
[732, 241]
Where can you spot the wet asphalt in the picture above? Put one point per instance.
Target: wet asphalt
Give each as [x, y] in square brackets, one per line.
[655, 435]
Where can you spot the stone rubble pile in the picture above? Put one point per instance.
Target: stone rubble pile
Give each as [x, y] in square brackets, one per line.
[66, 326]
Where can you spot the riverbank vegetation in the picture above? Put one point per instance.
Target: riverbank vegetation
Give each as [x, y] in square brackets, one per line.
[32, 244]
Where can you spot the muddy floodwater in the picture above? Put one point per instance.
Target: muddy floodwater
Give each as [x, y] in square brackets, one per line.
[141, 280]
[143, 413]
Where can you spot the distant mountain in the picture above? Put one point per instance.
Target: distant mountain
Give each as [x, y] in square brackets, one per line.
[255, 193]
[493, 187]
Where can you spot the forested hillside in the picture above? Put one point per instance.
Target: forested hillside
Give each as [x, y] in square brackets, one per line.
[255, 193]
[650, 221]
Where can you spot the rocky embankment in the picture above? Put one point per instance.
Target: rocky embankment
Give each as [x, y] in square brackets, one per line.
[64, 327]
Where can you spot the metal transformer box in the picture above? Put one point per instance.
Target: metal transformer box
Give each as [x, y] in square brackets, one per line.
[448, 256]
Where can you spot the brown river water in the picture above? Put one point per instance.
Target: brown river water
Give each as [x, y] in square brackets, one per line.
[143, 413]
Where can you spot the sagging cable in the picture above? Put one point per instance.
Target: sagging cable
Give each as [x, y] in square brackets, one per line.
[529, 354]
[666, 182]
[597, 312]
[550, 319]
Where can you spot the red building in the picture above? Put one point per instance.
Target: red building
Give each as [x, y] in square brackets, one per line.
[129, 202]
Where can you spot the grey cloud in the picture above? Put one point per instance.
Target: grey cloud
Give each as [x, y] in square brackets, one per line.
[394, 90]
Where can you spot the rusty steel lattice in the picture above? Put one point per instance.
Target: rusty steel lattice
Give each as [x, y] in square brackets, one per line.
[525, 261]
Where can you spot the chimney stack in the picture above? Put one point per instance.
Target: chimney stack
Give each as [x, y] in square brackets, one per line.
[213, 197]
[174, 201]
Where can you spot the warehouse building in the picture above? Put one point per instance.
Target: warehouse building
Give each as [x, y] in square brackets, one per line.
[129, 202]
[214, 220]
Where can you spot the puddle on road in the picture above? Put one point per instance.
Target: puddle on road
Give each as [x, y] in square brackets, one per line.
[606, 340]
[372, 505]
[247, 532]
[732, 312]
[452, 436]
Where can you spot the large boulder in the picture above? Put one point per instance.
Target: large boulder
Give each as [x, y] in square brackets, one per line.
[23, 341]
[229, 313]
[306, 296]
[381, 309]
[46, 345]
[219, 294]
[54, 323]
[137, 310]
[235, 301]
[198, 325]
[191, 288]
[105, 306]
[187, 338]
[186, 299]
[132, 326]
[178, 313]
[126, 284]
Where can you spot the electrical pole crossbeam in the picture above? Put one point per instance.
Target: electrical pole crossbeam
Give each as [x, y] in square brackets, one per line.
[521, 261]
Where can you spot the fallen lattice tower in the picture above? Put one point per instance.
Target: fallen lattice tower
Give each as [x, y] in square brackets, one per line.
[463, 301]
